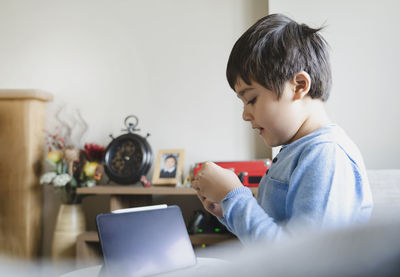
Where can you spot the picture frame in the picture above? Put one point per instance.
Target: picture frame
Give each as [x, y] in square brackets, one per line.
[169, 167]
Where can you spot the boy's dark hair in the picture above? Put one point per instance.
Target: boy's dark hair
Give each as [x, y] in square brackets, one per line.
[169, 156]
[274, 49]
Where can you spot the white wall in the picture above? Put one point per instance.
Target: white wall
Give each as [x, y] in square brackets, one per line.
[162, 60]
[365, 42]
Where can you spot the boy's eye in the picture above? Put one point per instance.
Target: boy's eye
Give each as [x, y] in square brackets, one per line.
[252, 101]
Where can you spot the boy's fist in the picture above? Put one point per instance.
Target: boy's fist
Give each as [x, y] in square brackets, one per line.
[214, 182]
[212, 207]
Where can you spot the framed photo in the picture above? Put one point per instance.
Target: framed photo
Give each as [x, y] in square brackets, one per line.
[169, 167]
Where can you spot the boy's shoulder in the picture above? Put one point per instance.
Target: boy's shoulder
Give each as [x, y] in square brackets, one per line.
[330, 135]
[318, 151]
[322, 144]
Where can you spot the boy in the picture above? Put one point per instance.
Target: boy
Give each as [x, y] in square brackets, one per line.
[169, 169]
[280, 70]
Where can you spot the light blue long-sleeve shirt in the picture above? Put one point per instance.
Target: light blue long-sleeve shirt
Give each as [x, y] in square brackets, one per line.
[318, 181]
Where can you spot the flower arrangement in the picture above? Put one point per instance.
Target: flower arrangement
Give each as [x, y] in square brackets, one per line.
[72, 167]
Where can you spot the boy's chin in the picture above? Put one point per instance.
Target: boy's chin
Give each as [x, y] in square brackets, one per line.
[271, 143]
[268, 143]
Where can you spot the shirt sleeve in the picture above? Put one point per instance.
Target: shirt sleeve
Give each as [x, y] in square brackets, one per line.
[323, 191]
[244, 217]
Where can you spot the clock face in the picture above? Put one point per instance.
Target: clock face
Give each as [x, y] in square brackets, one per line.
[127, 158]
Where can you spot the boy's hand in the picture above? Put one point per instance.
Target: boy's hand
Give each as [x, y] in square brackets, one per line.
[214, 182]
[212, 207]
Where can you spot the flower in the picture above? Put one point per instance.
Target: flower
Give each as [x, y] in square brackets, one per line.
[47, 178]
[61, 180]
[90, 168]
[94, 152]
[54, 156]
[71, 168]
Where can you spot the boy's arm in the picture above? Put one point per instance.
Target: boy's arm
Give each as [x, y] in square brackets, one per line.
[241, 213]
[244, 217]
[326, 189]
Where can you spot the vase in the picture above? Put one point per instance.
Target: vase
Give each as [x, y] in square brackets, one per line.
[69, 224]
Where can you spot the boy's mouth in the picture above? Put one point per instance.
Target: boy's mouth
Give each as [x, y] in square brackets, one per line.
[259, 129]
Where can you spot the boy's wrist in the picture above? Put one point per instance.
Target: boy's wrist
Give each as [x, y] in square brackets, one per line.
[226, 191]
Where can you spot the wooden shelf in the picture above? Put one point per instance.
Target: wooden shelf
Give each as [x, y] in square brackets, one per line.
[136, 190]
[90, 236]
[22, 120]
[140, 190]
[197, 240]
[210, 239]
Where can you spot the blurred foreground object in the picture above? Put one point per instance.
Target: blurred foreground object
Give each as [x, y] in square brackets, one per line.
[369, 250]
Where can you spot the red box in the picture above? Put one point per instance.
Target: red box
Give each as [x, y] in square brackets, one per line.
[249, 172]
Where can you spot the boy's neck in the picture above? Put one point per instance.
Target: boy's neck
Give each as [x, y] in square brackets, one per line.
[316, 118]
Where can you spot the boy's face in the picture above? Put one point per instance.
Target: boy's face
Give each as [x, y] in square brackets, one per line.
[169, 163]
[277, 120]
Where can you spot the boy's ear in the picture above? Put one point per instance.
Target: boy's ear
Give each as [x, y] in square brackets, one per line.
[301, 84]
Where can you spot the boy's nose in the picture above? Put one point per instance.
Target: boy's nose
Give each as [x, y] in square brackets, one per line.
[246, 115]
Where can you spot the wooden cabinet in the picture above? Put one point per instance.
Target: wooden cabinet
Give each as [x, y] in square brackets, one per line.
[88, 248]
[22, 123]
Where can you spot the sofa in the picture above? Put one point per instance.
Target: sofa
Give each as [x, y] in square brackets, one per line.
[385, 187]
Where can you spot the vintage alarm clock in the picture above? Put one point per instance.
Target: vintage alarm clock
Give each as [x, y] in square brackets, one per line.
[129, 156]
